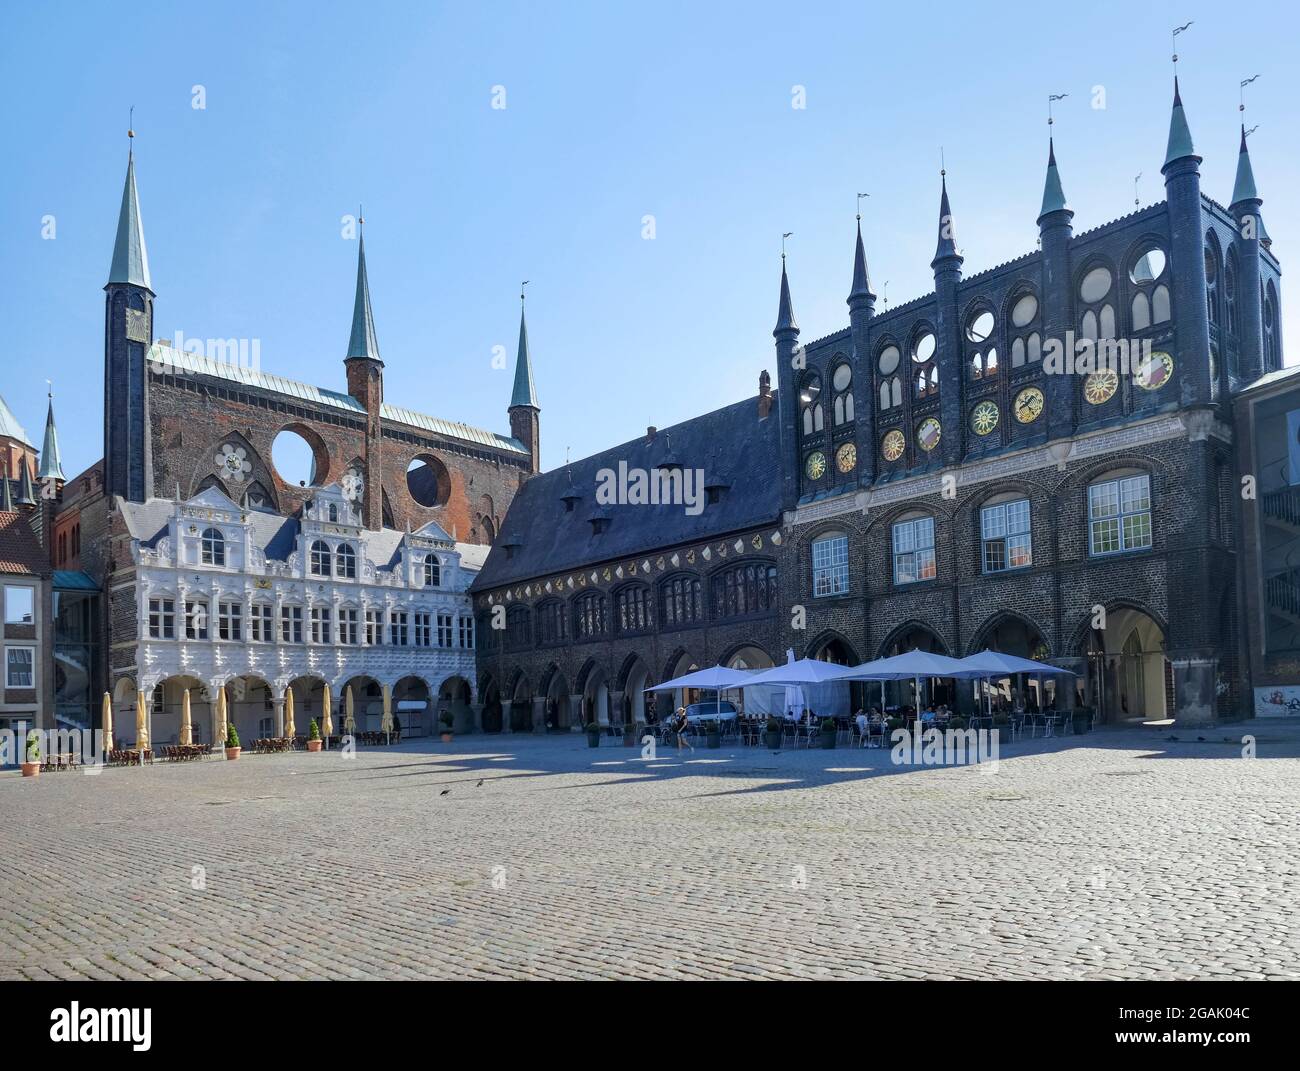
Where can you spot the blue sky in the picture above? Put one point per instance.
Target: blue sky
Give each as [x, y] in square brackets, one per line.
[680, 111]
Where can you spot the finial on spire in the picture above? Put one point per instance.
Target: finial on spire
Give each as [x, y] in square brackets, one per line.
[1241, 92]
[787, 234]
[130, 130]
[1052, 97]
[1136, 179]
[947, 245]
[521, 291]
[860, 196]
[1173, 37]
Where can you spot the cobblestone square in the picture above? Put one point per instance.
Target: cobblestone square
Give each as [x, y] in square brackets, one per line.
[1121, 854]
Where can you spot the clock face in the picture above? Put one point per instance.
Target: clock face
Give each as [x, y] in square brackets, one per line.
[984, 418]
[1101, 386]
[927, 435]
[846, 457]
[1155, 371]
[1028, 405]
[816, 465]
[891, 446]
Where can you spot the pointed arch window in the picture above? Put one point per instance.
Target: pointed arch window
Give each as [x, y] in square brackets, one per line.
[212, 547]
[1230, 295]
[813, 417]
[1149, 306]
[1212, 284]
[1022, 329]
[345, 561]
[1272, 356]
[552, 622]
[681, 601]
[743, 590]
[633, 609]
[925, 371]
[982, 355]
[320, 558]
[590, 616]
[1096, 303]
[842, 387]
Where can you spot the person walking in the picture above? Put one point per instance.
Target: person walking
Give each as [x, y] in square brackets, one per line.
[680, 722]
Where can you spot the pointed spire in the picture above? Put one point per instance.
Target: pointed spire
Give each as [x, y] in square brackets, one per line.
[51, 462]
[525, 393]
[947, 245]
[861, 277]
[1053, 194]
[1244, 188]
[6, 496]
[26, 495]
[363, 343]
[1180, 135]
[785, 311]
[130, 258]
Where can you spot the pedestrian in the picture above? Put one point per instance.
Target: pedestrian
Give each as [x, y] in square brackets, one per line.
[680, 721]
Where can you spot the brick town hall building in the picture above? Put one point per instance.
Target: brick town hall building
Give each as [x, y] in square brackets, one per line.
[920, 479]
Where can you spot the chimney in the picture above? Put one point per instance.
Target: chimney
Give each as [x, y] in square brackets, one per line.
[650, 433]
[764, 394]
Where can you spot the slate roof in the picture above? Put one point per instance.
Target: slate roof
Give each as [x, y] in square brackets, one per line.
[20, 550]
[731, 445]
[9, 426]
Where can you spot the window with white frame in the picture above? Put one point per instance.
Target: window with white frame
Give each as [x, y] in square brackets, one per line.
[212, 547]
[432, 572]
[467, 633]
[20, 667]
[230, 621]
[348, 626]
[345, 562]
[423, 629]
[374, 627]
[1004, 530]
[444, 630]
[914, 550]
[291, 624]
[196, 619]
[399, 624]
[162, 619]
[259, 622]
[1119, 515]
[20, 604]
[830, 565]
[320, 558]
[320, 624]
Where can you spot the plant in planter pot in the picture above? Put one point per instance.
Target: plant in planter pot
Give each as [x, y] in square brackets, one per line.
[313, 736]
[956, 722]
[772, 734]
[32, 763]
[1002, 726]
[828, 731]
[713, 734]
[232, 741]
[593, 734]
[894, 724]
[629, 734]
[445, 721]
[1081, 718]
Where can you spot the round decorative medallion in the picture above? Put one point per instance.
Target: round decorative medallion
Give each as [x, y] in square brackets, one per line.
[1100, 387]
[984, 418]
[1155, 371]
[816, 465]
[1028, 405]
[892, 445]
[927, 435]
[846, 457]
[353, 485]
[233, 462]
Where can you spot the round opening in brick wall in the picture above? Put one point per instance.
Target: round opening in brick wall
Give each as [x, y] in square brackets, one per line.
[299, 461]
[428, 481]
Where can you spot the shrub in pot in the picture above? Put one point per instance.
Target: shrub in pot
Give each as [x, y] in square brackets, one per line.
[1002, 724]
[232, 741]
[956, 722]
[593, 734]
[713, 734]
[32, 764]
[828, 731]
[894, 723]
[772, 734]
[313, 736]
[1082, 719]
[445, 721]
[630, 734]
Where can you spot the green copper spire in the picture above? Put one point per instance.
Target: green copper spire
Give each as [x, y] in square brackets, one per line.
[1053, 194]
[1180, 136]
[1244, 188]
[363, 343]
[26, 495]
[525, 393]
[130, 258]
[51, 463]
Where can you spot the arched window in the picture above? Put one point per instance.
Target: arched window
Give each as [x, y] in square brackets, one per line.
[590, 618]
[552, 622]
[334, 513]
[518, 635]
[212, 547]
[1026, 343]
[1149, 306]
[1272, 355]
[913, 538]
[1230, 294]
[633, 609]
[830, 565]
[345, 561]
[891, 386]
[1119, 513]
[743, 590]
[320, 558]
[432, 571]
[681, 601]
[842, 385]
[813, 418]
[1097, 310]
[980, 349]
[925, 372]
[1212, 283]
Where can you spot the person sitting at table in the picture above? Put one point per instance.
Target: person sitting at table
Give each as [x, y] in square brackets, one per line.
[927, 715]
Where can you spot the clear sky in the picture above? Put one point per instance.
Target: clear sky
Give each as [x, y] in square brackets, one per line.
[682, 112]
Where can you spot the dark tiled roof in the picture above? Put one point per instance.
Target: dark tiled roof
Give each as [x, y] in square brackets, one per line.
[20, 551]
[732, 447]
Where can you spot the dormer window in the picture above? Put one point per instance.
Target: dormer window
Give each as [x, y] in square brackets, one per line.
[432, 572]
[714, 492]
[212, 547]
[334, 513]
[570, 500]
[345, 560]
[320, 558]
[599, 525]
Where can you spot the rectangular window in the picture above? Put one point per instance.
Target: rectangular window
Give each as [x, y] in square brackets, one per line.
[830, 558]
[20, 603]
[914, 551]
[19, 667]
[467, 633]
[398, 623]
[348, 627]
[1004, 529]
[374, 627]
[260, 622]
[291, 624]
[320, 624]
[1119, 515]
[230, 621]
[444, 630]
[196, 619]
[423, 629]
[162, 619]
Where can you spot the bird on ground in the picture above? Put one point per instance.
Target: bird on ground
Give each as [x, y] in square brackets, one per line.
[444, 792]
[480, 783]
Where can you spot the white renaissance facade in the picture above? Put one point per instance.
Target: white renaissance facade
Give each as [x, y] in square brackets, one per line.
[261, 604]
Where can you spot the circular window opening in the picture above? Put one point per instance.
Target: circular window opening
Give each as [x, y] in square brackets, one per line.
[297, 462]
[811, 389]
[1024, 311]
[842, 378]
[1095, 285]
[980, 327]
[924, 348]
[889, 359]
[428, 482]
[1151, 265]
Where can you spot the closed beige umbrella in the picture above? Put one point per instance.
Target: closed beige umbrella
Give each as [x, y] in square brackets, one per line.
[106, 717]
[187, 729]
[326, 721]
[386, 722]
[219, 726]
[349, 722]
[141, 725]
[288, 713]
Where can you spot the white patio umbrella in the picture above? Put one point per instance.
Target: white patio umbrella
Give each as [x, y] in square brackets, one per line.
[716, 678]
[349, 721]
[106, 718]
[187, 726]
[219, 724]
[910, 665]
[289, 726]
[386, 719]
[326, 717]
[996, 664]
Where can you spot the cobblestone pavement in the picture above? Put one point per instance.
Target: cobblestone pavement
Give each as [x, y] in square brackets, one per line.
[1117, 855]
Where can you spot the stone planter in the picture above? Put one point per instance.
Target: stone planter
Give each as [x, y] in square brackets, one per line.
[31, 769]
[314, 745]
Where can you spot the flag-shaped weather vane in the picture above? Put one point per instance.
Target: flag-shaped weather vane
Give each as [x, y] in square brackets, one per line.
[1174, 38]
[787, 234]
[1052, 98]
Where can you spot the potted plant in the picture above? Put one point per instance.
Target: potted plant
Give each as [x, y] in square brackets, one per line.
[445, 720]
[1082, 719]
[828, 731]
[956, 722]
[313, 736]
[232, 741]
[32, 767]
[894, 724]
[772, 734]
[630, 734]
[593, 734]
[713, 733]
